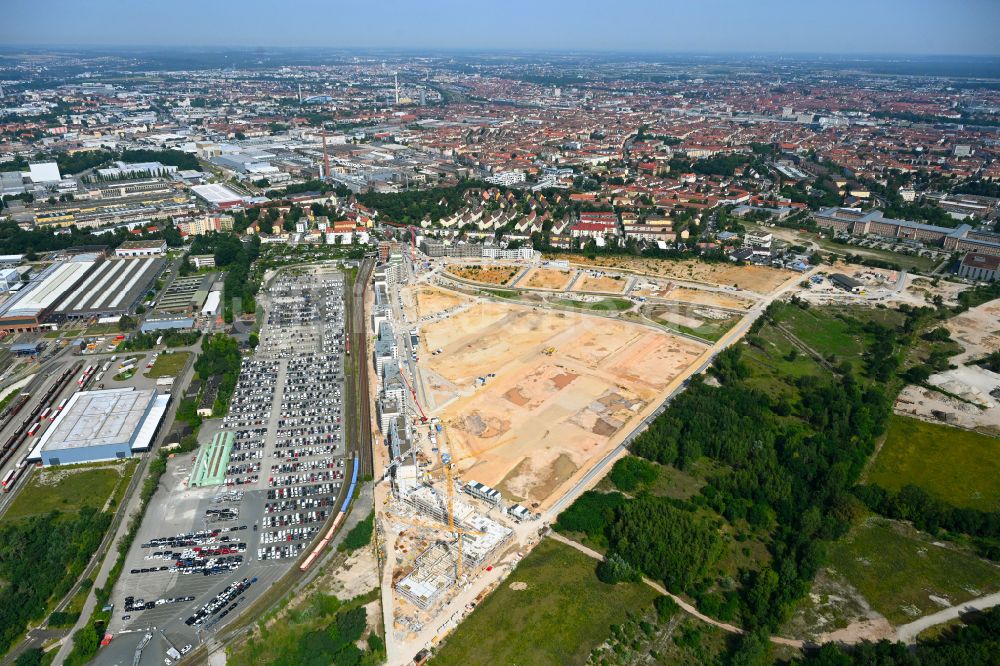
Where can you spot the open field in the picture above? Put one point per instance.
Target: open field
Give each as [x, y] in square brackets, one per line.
[490, 274]
[978, 330]
[761, 279]
[551, 610]
[605, 283]
[431, 301]
[774, 360]
[708, 297]
[693, 320]
[546, 278]
[603, 305]
[68, 489]
[545, 417]
[903, 575]
[822, 331]
[168, 365]
[954, 465]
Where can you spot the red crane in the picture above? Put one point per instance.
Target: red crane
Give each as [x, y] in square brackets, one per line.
[423, 417]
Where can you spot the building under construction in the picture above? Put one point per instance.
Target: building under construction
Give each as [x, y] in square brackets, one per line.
[433, 573]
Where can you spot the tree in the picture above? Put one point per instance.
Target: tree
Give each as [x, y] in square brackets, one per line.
[614, 569]
[632, 472]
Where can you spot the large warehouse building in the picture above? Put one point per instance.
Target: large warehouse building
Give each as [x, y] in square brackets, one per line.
[113, 289]
[102, 425]
[36, 301]
[84, 285]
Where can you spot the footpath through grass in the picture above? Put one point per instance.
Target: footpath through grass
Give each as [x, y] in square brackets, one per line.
[956, 466]
[551, 610]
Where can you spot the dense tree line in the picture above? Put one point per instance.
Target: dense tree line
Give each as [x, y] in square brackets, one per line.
[15, 240]
[83, 160]
[235, 257]
[791, 464]
[40, 559]
[414, 205]
[630, 473]
[932, 515]
[171, 338]
[178, 158]
[664, 541]
[220, 357]
[360, 535]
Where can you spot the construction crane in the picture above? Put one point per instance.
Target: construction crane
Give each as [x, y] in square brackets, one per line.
[423, 417]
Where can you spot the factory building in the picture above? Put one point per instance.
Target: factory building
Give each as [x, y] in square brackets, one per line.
[32, 305]
[113, 289]
[102, 425]
[150, 248]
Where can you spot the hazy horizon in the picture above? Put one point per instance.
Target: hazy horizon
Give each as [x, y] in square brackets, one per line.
[909, 28]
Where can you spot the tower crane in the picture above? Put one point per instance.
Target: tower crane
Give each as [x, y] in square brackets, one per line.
[423, 417]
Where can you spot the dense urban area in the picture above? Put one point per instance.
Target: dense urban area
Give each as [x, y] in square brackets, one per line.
[317, 357]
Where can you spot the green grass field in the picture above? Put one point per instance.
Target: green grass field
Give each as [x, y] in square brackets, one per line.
[603, 305]
[68, 489]
[823, 332]
[898, 569]
[558, 619]
[168, 365]
[771, 366]
[956, 466]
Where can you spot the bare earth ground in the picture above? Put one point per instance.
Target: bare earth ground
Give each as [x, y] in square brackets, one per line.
[587, 282]
[670, 291]
[499, 274]
[543, 418]
[836, 611]
[978, 330]
[922, 403]
[545, 278]
[761, 279]
[430, 301]
[708, 298]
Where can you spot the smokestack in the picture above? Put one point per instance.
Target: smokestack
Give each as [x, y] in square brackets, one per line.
[300, 94]
[326, 160]
[395, 78]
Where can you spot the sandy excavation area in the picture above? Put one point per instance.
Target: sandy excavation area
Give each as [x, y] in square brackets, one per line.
[714, 298]
[545, 278]
[567, 387]
[498, 274]
[978, 330]
[588, 281]
[761, 279]
[429, 301]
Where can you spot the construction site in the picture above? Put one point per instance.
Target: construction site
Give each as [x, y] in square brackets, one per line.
[491, 411]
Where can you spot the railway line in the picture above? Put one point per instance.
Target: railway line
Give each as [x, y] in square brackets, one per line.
[44, 411]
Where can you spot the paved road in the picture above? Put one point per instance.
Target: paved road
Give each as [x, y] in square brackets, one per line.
[730, 337]
[107, 553]
[908, 632]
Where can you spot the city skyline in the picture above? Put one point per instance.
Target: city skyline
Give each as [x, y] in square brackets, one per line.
[894, 27]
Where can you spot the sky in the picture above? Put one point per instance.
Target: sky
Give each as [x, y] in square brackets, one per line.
[919, 27]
